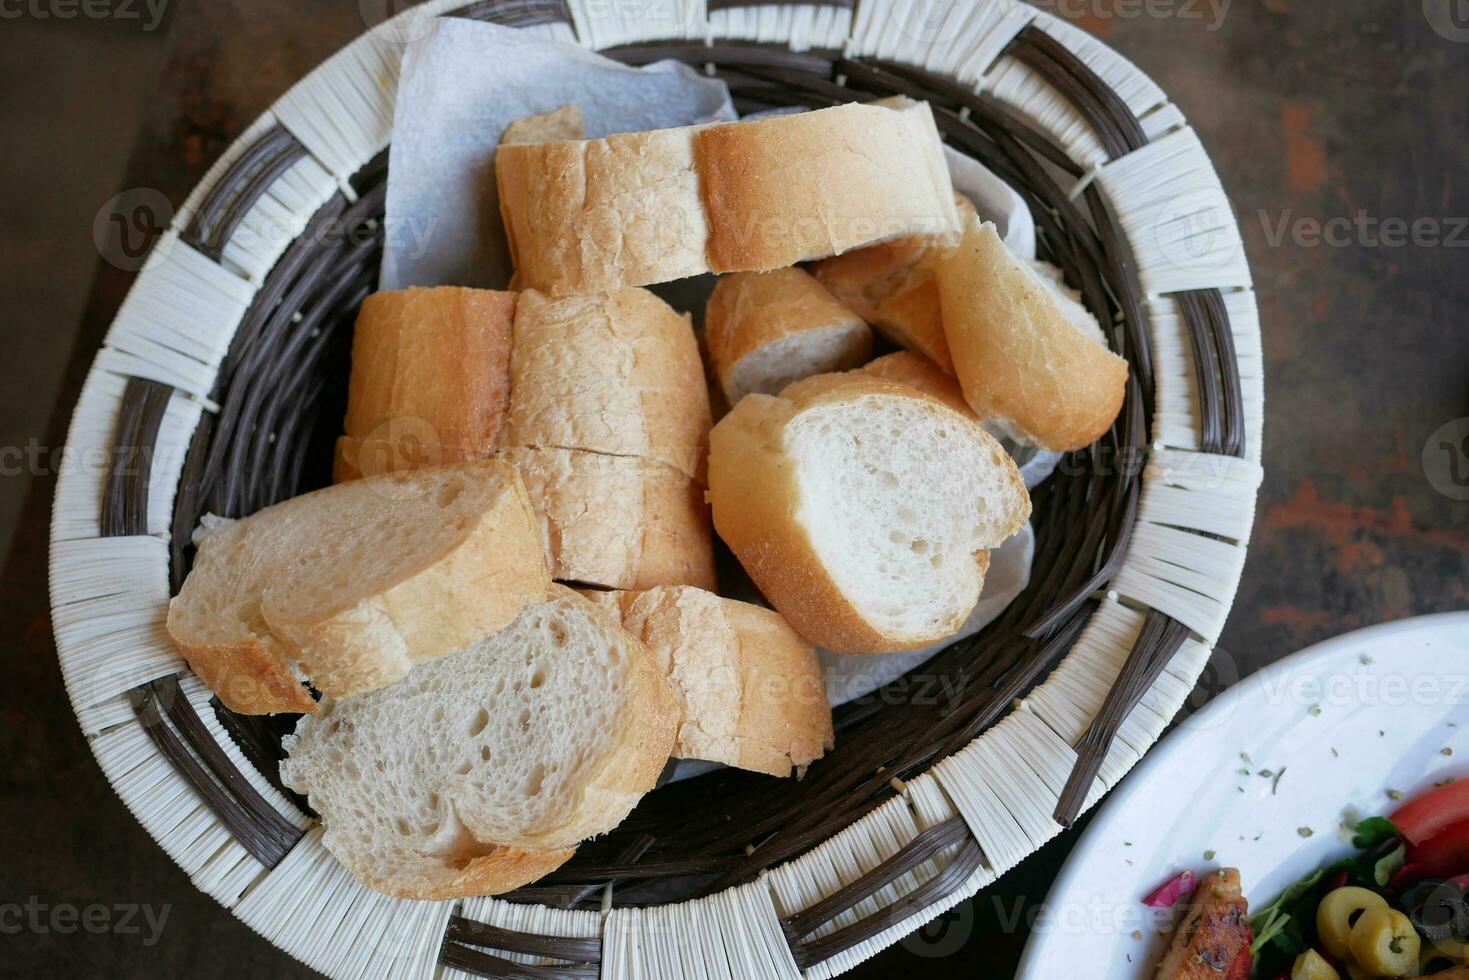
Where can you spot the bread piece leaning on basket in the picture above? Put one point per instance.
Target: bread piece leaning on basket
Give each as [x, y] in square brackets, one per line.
[477, 721]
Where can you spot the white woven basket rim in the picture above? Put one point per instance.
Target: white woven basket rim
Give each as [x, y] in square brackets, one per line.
[109, 594]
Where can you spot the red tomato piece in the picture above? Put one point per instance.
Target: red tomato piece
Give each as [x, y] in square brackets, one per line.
[1444, 854]
[1433, 812]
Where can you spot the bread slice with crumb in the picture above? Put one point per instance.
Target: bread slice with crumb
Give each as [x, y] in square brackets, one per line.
[765, 330]
[479, 772]
[350, 586]
[863, 509]
[750, 691]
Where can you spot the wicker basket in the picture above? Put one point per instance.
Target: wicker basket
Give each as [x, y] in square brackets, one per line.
[221, 385]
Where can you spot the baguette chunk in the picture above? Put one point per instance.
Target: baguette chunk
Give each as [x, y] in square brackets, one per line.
[765, 330]
[430, 379]
[636, 209]
[863, 509]
[1023, 364]
[617, 373]
[749, 689]
[351, 586]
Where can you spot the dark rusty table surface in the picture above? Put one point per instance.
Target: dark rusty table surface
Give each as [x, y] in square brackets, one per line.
[1334, 126]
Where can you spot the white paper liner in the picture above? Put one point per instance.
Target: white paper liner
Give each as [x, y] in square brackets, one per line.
[462, 84]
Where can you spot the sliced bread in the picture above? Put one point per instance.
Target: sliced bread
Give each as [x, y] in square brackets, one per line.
[350, 586]
[585, 216]
[765, 330]
[617, 373]
[1023, 364]
[862, 508]
[477, 772]
[750, 691]
[618, 522]
[892, 287]
[430, 376]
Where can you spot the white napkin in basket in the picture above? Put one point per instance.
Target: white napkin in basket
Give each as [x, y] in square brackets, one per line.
[461, 85]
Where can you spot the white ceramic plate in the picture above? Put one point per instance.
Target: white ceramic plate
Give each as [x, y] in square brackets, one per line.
[1346, 721]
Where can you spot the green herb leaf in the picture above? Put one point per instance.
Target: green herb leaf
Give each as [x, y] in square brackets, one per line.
[1374, 831]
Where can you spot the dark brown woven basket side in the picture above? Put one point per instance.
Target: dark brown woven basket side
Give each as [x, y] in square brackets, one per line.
[282, 392]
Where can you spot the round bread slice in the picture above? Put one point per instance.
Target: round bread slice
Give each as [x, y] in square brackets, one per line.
[352, 585]
[477, 772]
[765, 330]
[862, 508]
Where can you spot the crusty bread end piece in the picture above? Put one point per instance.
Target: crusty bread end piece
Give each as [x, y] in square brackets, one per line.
[862, 509]
[892, 287]
[765, 330]
[564, 123]
[431, 373]
[352, 585]
[750, 690]
[1023, 365]
[479, 772]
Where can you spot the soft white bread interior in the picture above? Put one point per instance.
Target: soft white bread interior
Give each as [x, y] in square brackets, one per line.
[352, 585]
[617, 373]
[530, 740]
[862, 508]
[1023, 364]
[892, 287]
[642, 208]
[564, 123]
[765, 330]
[749, 689]
[618, 522]
[430, 378]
